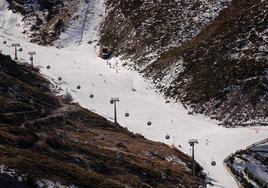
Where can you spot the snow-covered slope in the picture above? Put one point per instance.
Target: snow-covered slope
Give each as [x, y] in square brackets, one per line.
[84, 23]
[8, 21]
[79, 65]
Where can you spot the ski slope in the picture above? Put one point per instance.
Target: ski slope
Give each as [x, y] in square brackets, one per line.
[80, 65]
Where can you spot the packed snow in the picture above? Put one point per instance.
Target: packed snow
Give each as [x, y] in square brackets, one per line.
[79, 65]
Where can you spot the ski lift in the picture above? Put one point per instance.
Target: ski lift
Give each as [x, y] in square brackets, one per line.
[78, 87]
[149, 123]
[91, 96]
[127, 114]
[60, 78]
[48, 67]
[213, 163]
[111, 101]
[167, 137]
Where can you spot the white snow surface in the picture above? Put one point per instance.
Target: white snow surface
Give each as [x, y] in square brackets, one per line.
[80, 65]
[84, 23]
[51, 184]
[5, 170]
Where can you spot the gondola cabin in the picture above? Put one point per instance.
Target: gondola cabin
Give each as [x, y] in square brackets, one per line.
[105, 53]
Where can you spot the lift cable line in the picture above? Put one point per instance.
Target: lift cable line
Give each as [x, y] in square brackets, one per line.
[132, 94]
[51, 107]
[48, 108]
[26, 97]
[40, 103]
[45, 105]
[115, 110]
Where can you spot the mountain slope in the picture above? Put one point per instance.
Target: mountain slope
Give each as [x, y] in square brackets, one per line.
[219, 69]
[43, 21]
[62, 142]
[79, 64]
[146, 28]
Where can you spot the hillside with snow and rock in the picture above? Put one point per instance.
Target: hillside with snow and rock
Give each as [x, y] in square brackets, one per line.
[180, 69]
[48, 141]
[209, 55]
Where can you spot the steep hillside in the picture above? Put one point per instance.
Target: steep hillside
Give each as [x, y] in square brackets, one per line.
[210, 56]
[146, 28]
[45, 139]
[43, 21]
